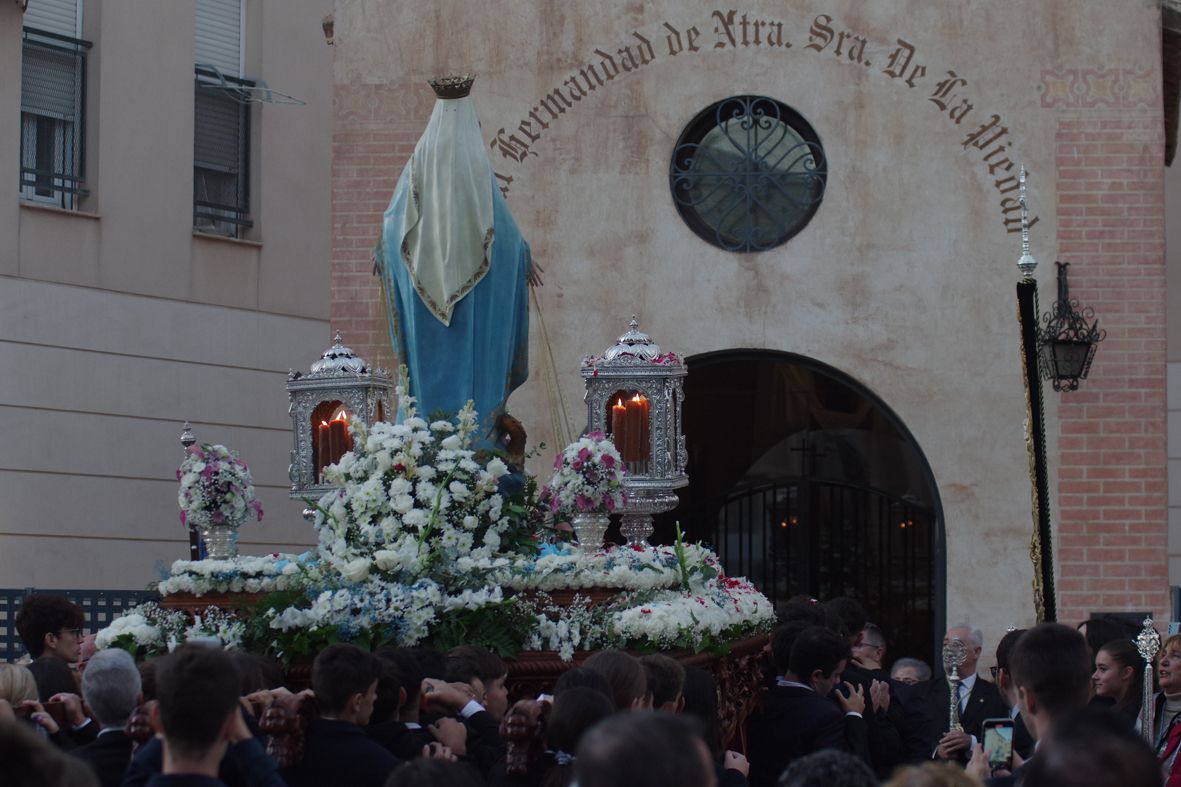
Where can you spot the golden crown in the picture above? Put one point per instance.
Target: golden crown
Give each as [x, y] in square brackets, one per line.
[454, 86]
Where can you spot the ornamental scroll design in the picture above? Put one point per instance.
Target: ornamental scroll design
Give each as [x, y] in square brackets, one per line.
[1090, 88]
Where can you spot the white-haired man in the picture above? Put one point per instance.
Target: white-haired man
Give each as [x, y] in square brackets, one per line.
[978, 700]
[111, 687]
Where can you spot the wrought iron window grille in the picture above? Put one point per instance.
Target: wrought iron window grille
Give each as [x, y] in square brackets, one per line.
[53, 118]
[1067, 338]
[748, 173]
[221, 152]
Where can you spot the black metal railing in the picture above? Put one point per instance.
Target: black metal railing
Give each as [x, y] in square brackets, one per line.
[824, 539]
[99, 606]
[53, 118]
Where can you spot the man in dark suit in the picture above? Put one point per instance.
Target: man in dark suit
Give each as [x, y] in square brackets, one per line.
[978, 700]
[111, 688]
[336, 748]
[1051, 666]
[798, 716]
[1022, 740]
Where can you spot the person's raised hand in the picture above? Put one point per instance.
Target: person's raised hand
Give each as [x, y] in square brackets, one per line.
[879, 694]
[450, 697]
[75, 714]
[40, 717]
[437, 751]
[855, 702]
[952, 743]
[451, 733]
[735, 761]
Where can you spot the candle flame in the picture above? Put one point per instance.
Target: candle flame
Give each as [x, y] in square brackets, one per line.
[323, 423]
[620, 402]
[639, 398]
[343, 415]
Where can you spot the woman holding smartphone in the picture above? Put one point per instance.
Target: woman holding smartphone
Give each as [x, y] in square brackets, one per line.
[1119, 678]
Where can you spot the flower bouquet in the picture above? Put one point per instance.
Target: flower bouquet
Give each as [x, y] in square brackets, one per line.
[588, 486]
[216, 496]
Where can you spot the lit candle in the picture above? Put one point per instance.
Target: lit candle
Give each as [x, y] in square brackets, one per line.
[323, 450]
[637, 411]
[619, 426]
[338, 438]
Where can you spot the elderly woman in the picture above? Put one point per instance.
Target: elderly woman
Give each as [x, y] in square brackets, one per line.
[1168, 709]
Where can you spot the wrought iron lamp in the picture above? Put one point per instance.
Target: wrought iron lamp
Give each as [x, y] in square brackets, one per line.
[634, 394]
[1067, 339]
[339, 386]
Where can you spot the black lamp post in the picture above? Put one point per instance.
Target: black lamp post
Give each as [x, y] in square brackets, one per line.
[1067, 339]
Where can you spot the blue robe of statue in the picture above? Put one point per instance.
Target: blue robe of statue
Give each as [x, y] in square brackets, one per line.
[483, 355]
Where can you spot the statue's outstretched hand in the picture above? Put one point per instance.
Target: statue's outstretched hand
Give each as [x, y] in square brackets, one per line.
[534, 276]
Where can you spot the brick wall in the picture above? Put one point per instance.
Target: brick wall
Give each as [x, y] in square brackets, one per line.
[1111, 512]
[375, 130]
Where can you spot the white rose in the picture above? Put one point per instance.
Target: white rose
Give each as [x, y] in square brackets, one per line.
[451, 442]
[403, 503]
[496, 468]
[356, 570]
[386, 559]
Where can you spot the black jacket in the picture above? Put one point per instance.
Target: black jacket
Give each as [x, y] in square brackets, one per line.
[339, 752]
[984, 702]
[792, 722]
[109, 755]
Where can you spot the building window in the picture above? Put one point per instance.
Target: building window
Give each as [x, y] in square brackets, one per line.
[221, 154]
[748, 173]
[221, 129]
[53, 120]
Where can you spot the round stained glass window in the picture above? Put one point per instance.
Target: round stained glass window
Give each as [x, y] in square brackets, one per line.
[748, 173]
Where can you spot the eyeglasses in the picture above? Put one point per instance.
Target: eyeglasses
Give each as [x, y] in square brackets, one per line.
[78, 633]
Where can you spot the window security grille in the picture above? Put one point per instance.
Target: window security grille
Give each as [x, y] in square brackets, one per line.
[221, 153]
[53, 121]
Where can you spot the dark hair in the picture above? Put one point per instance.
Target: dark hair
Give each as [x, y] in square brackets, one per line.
[30, 761]
[339, 672]
[1004, 648]
[389, 691]
[408, 669]
[197, 689]
[1092, 748]
[1103, 628]
[575, 712]
[801, 609]
[1124, 652]
[644, 749]
[432, 663]
[782, 640]
[581, 676]
[1051, 661]
[471, 661]
[424, 772]
[41, 615]
[701, 702]
[817, 648]
[624, 674]
[845, 616]
[827, 768]
[250, 671]
[665, 678]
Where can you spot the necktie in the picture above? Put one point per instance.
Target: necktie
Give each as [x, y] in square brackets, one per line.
[962, 694]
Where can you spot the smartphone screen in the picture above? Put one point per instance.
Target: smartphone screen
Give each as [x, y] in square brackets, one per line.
[998, 741]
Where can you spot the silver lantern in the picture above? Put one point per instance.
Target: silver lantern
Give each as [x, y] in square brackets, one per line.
[634, 394]
[339, 386]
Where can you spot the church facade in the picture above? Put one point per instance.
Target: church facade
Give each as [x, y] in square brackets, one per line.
[893, 274]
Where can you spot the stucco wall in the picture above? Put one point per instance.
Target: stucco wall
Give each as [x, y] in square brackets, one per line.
[117, 322]
[905, 277]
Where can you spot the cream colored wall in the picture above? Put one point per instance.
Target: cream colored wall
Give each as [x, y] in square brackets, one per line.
[117, 322]
[905, 277]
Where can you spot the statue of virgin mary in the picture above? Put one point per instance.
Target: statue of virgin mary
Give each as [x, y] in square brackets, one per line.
[455, 268]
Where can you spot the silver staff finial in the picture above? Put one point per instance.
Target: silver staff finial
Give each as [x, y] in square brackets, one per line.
[187, 437]
[1027, 264]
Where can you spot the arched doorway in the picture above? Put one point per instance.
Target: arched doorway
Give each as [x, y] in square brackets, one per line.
[808, 484]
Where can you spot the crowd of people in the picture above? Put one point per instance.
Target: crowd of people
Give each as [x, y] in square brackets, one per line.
[830, 713]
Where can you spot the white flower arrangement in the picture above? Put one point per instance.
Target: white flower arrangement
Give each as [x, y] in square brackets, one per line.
[149, 629]
[266, 574]
[215, 488]
[588, 478]
[620, 568]
[412, 500]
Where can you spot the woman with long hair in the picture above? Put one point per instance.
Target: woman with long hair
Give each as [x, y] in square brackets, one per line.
[1119, 677]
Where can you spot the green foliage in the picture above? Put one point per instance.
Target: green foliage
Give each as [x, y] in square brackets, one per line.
[502, 628]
